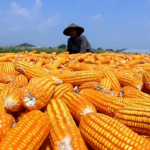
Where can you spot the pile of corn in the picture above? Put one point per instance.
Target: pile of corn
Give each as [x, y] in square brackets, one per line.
[74, 102]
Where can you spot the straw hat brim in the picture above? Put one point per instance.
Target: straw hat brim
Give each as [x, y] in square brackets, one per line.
[67, 30]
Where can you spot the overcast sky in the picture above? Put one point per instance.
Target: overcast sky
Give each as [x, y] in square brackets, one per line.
[114, 24]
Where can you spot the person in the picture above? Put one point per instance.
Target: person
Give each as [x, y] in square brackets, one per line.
[77, 43]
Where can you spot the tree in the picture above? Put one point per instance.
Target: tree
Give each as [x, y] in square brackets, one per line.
[63, 46]
[99, 48]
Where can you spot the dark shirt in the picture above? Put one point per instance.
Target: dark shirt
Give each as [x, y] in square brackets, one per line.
[78, 44]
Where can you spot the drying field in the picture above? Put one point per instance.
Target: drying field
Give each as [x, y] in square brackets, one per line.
[51, 101]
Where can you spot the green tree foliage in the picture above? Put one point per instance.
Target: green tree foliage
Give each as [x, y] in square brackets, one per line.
[62, 46]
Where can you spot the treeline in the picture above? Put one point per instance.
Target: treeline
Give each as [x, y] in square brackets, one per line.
[59, 49]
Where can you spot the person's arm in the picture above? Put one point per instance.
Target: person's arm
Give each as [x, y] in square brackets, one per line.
[83, 45]
[69, 47]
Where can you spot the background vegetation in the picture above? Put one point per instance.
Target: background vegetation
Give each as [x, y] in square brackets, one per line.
[61, 48]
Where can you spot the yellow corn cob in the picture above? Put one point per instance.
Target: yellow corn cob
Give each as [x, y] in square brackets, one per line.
[56, 72]
[29, 133]
[131, 81]
[56, 63]
[3, 58]
[138, 75]
[81, 57]
[31, 71]
[115, 85]
[103, 60]
[13, 102]
[1, 86]
[64, 133]
[50, 67]
[39, 63]
[61, 89]
[20, 114]
[9, 68]
[2, 108]
[146, 79]
[21, 80]
[4, 77]
[131, 92]
[37, 93]
[103, 102]
[136, 102]
[6, 90]
[106, 84]
[79, 77]
[124, 72]
[46, 145]
[135, 62]
[80, 66]
[63, 54]
[142, 66]
[139, 56]
[136, 118]
[103, 132]
[92, 85]
[78, 105]
[7, 122]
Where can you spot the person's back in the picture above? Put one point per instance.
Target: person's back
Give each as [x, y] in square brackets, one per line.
[78, 42]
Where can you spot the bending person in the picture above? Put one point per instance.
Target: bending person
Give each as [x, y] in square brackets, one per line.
[77, 43]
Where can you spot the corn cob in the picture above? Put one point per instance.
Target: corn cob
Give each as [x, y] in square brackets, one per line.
[46, 145]
[21, 80]
[138, 75]
[9, 68]
[2, 108]
[3, 58]
[39, 63]
[37, 93]
[135, 62]
[56, 63]
[56, 72]
[13, 102]
[92, 85]
[146, 79]
[80, 66]
[103, 60]
[61, 89]
[115, 85]
[147, 137]
[131, 81]
[31, 71]
[104, 103]
[82, 57]
[79, 77]
[139, 56]
[64, 133]
[6, 90]
[20, 114]
[136, 118]
[103, 132]
[78, 105]
[4, 77]
[1, 86]
[106, 84]
[29, 133]
[128, 91]
[142, 66]
[7, 121]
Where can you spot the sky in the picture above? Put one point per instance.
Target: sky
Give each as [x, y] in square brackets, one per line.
[108, 24]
